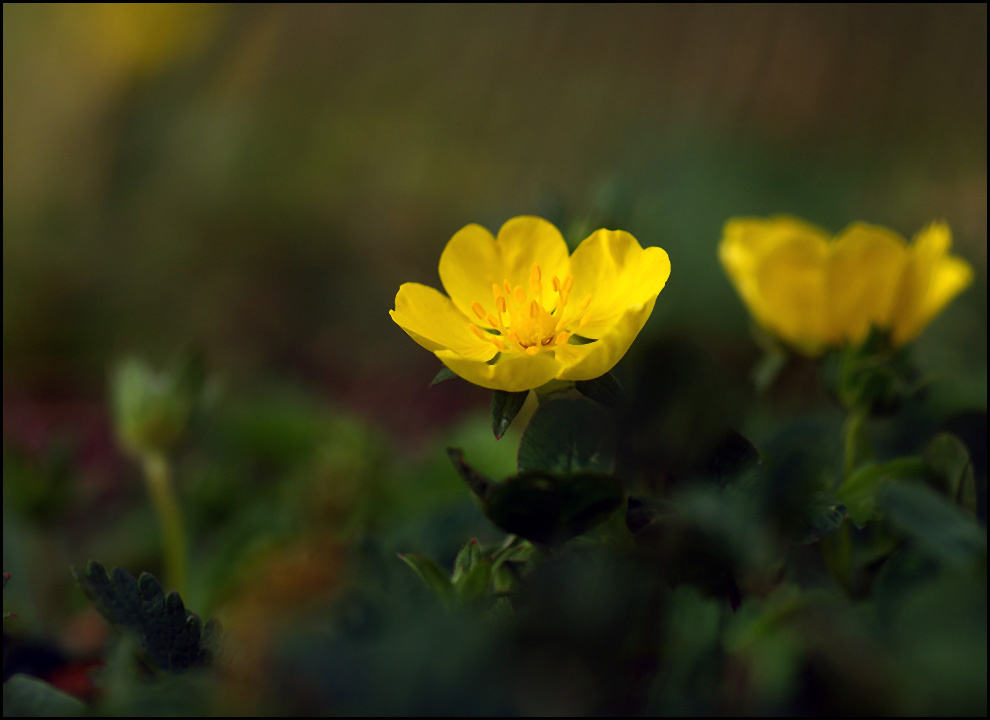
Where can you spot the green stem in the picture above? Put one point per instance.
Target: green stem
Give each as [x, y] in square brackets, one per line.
[166, 504]
[855, 441]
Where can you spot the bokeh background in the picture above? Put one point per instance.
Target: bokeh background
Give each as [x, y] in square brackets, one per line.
[254, 183]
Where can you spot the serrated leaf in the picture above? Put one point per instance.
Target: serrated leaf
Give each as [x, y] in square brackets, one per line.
[169, 637]
[568, 436]
[445, 374]
[433, 576]
[551, 509]
[26, 696]
[505, 407]
[951, 469]
[605, 390]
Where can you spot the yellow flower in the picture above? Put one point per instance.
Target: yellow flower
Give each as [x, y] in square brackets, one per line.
[521, 300]
[815, 292]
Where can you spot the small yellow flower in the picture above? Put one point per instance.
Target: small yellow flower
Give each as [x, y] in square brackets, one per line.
[521, 300]
[815, 292]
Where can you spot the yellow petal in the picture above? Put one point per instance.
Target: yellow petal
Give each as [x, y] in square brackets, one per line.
[619, 274]
[789, 293]
[591, 360]
[510, 373]
[746, 241]
[862, 278]
[430, 318]
[473, 260]
[931, 278]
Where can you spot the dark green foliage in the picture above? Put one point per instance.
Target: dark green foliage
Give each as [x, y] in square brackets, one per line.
[505, 407]
[169, 638]
[26, 696]
[568, 436]
[605, 389]
[445, 374]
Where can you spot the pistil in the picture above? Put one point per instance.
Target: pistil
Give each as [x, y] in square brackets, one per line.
[523, 323]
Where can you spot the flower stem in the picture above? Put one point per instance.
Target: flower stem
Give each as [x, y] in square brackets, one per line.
[855, 440]
[166, 504]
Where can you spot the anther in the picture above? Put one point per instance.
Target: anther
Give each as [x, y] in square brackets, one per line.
[532, 350]
[555, 283]
[478, 331]
[585, 302]
[478, 310]
[568, 283]
[508, 288]
[519, 295]
[562, 338]
[534, 280]
[500, 304]
[492, 320]
[534, 309]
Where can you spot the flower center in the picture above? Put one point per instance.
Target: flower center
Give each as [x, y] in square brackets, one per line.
[527, 324]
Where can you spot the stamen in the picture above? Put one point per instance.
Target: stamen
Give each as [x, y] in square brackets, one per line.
[514, 337]
[585, 320]
[500, 304]
[496, 291]
[478, 310]
[508, 288]
[492, 320]
[562, 338]
[584, 303]
[532, 350]
[496, 342]
[519, 295]
[568, 283]
[555, 283]
[534, 281]
[482, 335]
[534, 309]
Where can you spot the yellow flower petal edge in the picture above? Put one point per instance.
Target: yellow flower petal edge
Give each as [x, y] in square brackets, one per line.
[518, 304]
[816, 292]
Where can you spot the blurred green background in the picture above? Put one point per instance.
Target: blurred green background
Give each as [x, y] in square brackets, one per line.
[255, 182]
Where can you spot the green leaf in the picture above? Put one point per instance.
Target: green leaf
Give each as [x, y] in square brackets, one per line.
[734, 458]
[859, 491]
[936, 527]
[478, 483]
[768, 368]
[505, 407]
[169, 637]
[951, 470]
[26, 696]
[551, 509]
[605, 390]
[474, 584]
[824, 515]
[445, 374]
[433, 576]
[466, 559]
[568, 436]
